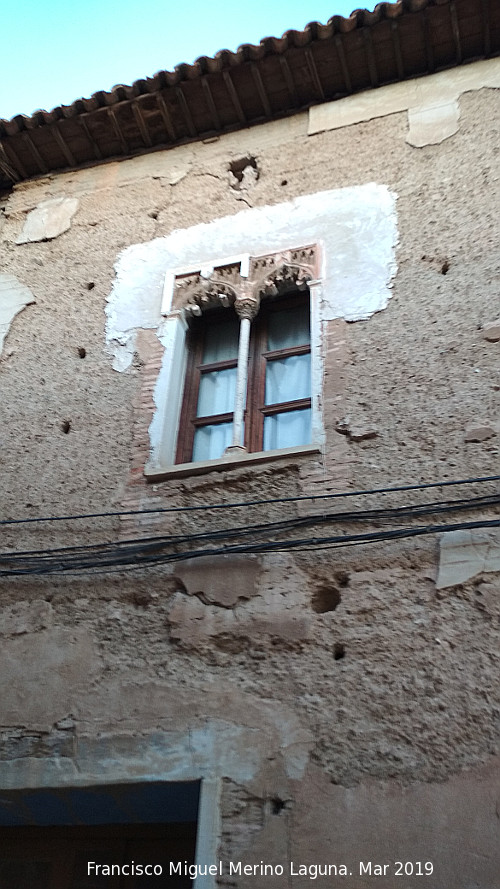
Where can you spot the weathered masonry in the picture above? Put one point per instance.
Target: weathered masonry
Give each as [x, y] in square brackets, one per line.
[250, 543]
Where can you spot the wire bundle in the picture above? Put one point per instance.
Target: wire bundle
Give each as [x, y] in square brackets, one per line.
[264, 537]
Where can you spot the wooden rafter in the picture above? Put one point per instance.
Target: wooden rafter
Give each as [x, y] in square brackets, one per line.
[55, 131]
[11, 164]
[396, 44]
[370, 57]
[118, 131]
[288, 78]
[83, 123]
[42, 166]
[139, 119]
[311, 64]
[455, 31]
[185, 110]
[343, 62]
[167, 120]
[228, 80]
[210, 102]
[261, 90]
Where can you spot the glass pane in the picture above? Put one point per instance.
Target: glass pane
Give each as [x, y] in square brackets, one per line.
[289, 327]
[287, 429]
[221, 340]
[210, 442]
[217, 391]
[288, 379]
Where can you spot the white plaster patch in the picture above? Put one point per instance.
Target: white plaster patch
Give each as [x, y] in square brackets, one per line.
[434, 124]
[432, 103]
[48, 220]
[14, 297]
[355, 227]
[465, 554]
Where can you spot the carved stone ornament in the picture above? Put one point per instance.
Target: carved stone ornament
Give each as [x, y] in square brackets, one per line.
[197, 292]
[276, 273]
[270, 275]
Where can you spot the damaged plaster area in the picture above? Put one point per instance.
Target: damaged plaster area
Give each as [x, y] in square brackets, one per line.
[467, 554]
[432, 103]
[356, 229]
[14, 297]
[48, 220]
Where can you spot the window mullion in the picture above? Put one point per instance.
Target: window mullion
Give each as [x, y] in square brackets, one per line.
[246, 308]
[241, 384]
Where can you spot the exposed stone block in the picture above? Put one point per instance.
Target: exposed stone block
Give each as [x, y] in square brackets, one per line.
[48, 220]
[221, 580]
[14, 296]
[478, 432]
[465, 554]
[491, 331]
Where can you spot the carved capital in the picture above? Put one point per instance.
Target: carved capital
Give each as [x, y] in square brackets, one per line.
[247, 307]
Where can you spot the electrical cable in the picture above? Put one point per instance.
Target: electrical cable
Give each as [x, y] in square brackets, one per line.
[265, 547]
[246, 503]
[142, 552]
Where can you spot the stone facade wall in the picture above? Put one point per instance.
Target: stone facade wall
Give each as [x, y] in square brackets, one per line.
[343, 701]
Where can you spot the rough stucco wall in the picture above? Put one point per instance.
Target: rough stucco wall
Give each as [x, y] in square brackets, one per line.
[415, 697]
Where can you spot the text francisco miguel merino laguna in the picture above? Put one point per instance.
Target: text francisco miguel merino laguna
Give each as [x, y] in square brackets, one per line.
[262, 869]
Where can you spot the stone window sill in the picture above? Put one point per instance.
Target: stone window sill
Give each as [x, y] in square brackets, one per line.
[228, 462]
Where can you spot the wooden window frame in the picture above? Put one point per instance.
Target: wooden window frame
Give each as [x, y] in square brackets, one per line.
[259, 356]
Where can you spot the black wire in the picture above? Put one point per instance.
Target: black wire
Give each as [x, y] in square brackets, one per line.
[246, 503]
[269, 546]
[146, 551]
[140, 544]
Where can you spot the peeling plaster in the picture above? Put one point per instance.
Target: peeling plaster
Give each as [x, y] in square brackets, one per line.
[432, 103]
[355, 227]
[14, 297]
[48, 220]
[465, 554]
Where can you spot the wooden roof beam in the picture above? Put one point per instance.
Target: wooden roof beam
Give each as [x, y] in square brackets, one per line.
[426, 30]
[210, 102]
[343, 62]
[42, 166]
[456, 31]
[11, 164]
[63, 145]
[139, 119]
[118, 133]
[261, 90]
[288, 78]
[370, 57]
[9, 171]
[95, 148]
[167, 120]
[396, 44]
[314, 74]
[485, 8]
[185, 110]
[228, 80]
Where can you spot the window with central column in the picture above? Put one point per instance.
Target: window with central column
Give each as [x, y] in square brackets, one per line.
[272, 375]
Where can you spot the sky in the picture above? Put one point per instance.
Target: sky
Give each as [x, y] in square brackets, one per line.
[56, 51]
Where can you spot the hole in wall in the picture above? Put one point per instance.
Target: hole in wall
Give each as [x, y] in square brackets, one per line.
[90, 285]
[338, 651]
[277, 805]
[342, 578]
[82, 351]
[154, 214]
[445, 267]
[244, 172]
[65, 426]
[325, 598]
[284, 182]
